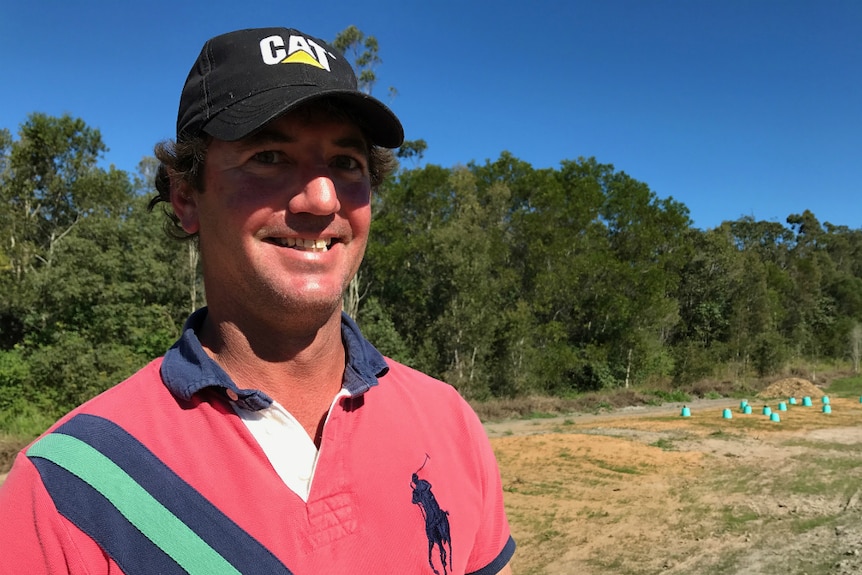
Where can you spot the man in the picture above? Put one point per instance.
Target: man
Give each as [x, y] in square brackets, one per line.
[272, 437]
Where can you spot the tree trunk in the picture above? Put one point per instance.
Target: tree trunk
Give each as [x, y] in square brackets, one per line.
[193, 275]
[628, 367]
[352, 297]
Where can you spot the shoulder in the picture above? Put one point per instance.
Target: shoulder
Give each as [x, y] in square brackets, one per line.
[138, 393]
[425, 402]
[413, 382]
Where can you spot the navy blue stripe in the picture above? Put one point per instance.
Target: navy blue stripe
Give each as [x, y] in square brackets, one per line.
[97, 517]
[501, 561]
[239, 548]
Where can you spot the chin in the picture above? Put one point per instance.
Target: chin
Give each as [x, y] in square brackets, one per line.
[313, 304]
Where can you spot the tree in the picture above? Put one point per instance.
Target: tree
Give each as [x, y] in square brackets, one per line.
[363, 51]
[49, 182]
[856, 346]
[810, 312]
[559, 250]
[401, 266]
[412, 150]
[473, 258]
[647, 236]
[110, 303]
[91, 290]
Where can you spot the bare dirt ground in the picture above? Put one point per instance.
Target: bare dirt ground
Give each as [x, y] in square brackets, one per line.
[645, 490]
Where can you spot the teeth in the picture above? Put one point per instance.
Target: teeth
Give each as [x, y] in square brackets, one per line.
[307, 244]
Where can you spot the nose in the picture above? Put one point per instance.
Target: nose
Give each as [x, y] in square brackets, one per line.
[318, 196]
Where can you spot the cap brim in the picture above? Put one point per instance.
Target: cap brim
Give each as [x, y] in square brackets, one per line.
[246, 116]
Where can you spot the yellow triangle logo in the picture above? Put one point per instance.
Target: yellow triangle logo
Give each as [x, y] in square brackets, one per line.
[301, 57]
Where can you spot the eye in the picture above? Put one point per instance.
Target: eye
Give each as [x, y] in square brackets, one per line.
[268, 157]
[347, 163]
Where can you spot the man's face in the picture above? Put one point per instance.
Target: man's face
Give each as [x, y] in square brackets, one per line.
[283, 219]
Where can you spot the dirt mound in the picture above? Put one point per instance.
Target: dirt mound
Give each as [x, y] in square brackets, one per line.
[791, 387]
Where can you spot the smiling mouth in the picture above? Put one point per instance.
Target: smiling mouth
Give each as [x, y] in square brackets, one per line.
[301, 244]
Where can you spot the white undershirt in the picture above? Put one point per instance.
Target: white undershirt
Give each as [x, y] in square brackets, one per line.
[285, 442]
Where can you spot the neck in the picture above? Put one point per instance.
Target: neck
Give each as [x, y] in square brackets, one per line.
[302, 369]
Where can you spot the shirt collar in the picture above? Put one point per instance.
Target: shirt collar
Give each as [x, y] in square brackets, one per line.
[187, 369]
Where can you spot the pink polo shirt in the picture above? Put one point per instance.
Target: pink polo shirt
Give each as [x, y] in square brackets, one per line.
[405, 481]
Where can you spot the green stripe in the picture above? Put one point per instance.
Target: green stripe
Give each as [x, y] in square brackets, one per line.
[149, 516]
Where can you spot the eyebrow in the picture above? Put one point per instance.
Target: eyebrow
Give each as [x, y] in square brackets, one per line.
[266, 136]
[270, 136]
[350, 142]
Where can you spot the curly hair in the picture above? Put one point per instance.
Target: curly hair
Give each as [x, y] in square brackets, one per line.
[183, 161]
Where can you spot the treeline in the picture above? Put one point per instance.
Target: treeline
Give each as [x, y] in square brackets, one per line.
[504, 279]
[499, 278]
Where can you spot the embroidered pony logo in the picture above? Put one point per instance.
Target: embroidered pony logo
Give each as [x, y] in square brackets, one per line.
[436, 520]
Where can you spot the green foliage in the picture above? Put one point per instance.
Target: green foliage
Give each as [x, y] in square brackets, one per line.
[508, 280]
[377, 326]
[769, 354]
[664, 444]
[90, 283]
[363, 51]
[540, 415]
[14, 377]
[846, 387]
[675, 396]
[694, 361]
[26, 417]
[412, 149]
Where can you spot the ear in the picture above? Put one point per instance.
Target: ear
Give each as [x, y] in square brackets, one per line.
[185, 205]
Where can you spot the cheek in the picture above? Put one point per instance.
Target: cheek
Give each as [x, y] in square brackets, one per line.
[355, 203]
[247, 195]
[359, 217]
[361, 221]
[246, 204]
[354, 195]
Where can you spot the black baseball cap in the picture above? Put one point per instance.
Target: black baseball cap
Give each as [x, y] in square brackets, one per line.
[242, 80]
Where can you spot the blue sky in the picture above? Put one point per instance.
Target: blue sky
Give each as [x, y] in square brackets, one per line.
[732, 107]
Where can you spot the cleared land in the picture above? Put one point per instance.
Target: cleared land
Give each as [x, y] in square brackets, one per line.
[645, 490]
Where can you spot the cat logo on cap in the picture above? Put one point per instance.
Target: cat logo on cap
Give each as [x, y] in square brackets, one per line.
[299, 50]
